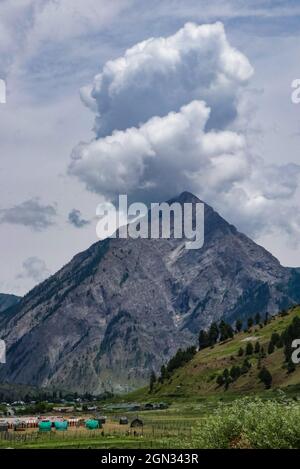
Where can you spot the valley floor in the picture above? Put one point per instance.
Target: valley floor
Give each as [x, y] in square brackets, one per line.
[201, 412]
[253, 422]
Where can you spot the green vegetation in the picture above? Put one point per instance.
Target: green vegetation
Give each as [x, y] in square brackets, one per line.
[240, 390]
[250, 423]
[199, 377]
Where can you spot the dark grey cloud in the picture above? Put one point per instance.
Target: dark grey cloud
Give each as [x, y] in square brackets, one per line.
[31, 213]
[76, 219]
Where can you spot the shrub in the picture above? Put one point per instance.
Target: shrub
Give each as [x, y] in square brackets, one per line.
[249, 423]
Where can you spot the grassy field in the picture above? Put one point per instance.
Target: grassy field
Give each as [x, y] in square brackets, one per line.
[201, 414]
[251, 422]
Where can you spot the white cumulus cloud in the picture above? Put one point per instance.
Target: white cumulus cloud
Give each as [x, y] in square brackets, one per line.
[162, 157]
[171, 116]
[160, 75]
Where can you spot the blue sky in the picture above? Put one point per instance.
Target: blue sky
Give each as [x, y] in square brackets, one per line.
[49, 50]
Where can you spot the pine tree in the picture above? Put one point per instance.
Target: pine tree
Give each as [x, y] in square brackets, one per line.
[257, 347]
[259, 363]
[266, 321]
[235, 372]
[270, 348]
[163, 374]
[220, 380]
[223, 331]
[284, 313]
[226, 378]
[249, 348]
[291, 366]
[226, 331]
[213, 334]
[275, 337]
[203, 340]
[238, 325]
[250, 322]
[262, 352]
[152, 381]
[265, 377]
[241, 352]
[257, 318]
[280, 343]
[230, 331]
[245, 367]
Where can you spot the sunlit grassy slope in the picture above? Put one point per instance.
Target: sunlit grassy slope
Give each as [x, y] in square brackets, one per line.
[198, 378]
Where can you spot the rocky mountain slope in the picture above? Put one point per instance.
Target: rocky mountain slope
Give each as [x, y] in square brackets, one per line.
[6, 301]
[124, 306]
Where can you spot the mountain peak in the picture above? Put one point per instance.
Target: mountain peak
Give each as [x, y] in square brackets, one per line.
[185, 197]
[124, 306]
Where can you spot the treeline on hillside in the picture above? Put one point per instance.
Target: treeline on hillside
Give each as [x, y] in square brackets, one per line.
[217, 332]
[220, 332]
[180, 358]
[223, 331]
[277, 341]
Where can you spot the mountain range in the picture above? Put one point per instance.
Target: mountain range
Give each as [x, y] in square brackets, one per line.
[124, 306]
[6, 301]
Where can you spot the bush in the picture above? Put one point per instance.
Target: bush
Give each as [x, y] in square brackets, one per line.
[249, 423]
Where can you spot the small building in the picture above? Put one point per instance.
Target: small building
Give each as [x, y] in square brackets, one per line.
[20, 426]
[123, 421]
[3, 427]
[137, 423]
[92, 408]
[163, 405]
[149, 406]
[135, 408]
[101, 419]
[64, 409]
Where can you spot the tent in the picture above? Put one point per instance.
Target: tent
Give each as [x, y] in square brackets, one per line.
[45, 426]
[92, 424]
[61, 425]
